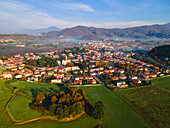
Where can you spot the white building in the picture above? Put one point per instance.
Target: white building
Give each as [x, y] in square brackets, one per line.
[56, 81]
[122, 84]
[7, 75]
[18, 76]
[66, 61]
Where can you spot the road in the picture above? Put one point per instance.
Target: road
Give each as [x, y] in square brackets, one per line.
[99, 80]
[156, 61]
[68, 81]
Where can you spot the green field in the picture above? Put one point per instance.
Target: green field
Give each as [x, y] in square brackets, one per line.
[21, 113]
[163, 82]
[118, 113]
[32, 88]
[1, 70]
[151, 103]
[19, 109]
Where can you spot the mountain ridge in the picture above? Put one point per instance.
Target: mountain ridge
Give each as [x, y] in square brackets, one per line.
[35, 32]
[145, 31]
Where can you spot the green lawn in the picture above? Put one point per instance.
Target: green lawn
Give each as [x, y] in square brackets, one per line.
[118, 113]
[151, 103]
[163, 82]
[33, 88]
[21, 113]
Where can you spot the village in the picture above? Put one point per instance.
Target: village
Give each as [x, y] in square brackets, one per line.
[89, 64]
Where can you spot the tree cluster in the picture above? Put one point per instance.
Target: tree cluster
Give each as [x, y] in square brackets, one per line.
[61, 104]
[44, 62]
[69, 104]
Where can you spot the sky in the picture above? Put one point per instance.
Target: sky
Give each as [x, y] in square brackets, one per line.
[16, 15]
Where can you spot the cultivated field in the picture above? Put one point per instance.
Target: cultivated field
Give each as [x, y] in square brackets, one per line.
[118, 113]
[19, 50]
[163, 82]
[151, 103]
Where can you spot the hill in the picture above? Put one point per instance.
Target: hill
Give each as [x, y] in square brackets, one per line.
[35, 32]
[27, 38]
[161, 54]
[161, 51]
[147, 31]
[91, 37]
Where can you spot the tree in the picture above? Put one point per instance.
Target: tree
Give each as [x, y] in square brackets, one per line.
[70, 64]
[52, 109]
[53, 99]
[150, 82]
[40, 97]
[59, 112]
[99, 110]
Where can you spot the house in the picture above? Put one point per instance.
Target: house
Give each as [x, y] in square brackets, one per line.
[75, 68]
[112, 70]
[122, 84]
[50, 73]
[56, 81]
[152, 75]
[59, 75]
[122, 77]
[145, 77]
[93, 73]
[35, 79]
[147, 72]
[100, 72]
[161, 74]
[88, 77]
[115, 78]
[136, 81]
[75, 72]
[85, 70]
[1, 61]
[91, 81]
[37, 75]
[7, 75]
[29, 73]
[43, 72]
[121, 71]
[13, 69]
[18, 76]
[133, 77]
[79, 78]
[64, 69]
[132, 84]
[66, 61]
[77, 81]
[81, 71]
[66, 77]
[94, 81]
[59, 63]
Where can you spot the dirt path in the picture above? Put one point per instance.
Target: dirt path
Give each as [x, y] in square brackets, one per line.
[50, 118]
[161, 88]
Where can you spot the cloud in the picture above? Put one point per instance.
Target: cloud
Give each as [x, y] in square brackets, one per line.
[119, 24]
[75, 6]
[16, 16]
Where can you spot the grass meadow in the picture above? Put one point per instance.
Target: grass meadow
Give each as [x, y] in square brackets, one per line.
[151, 103]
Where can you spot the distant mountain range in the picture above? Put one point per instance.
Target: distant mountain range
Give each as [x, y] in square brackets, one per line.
[90, 33]
[35, 32]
